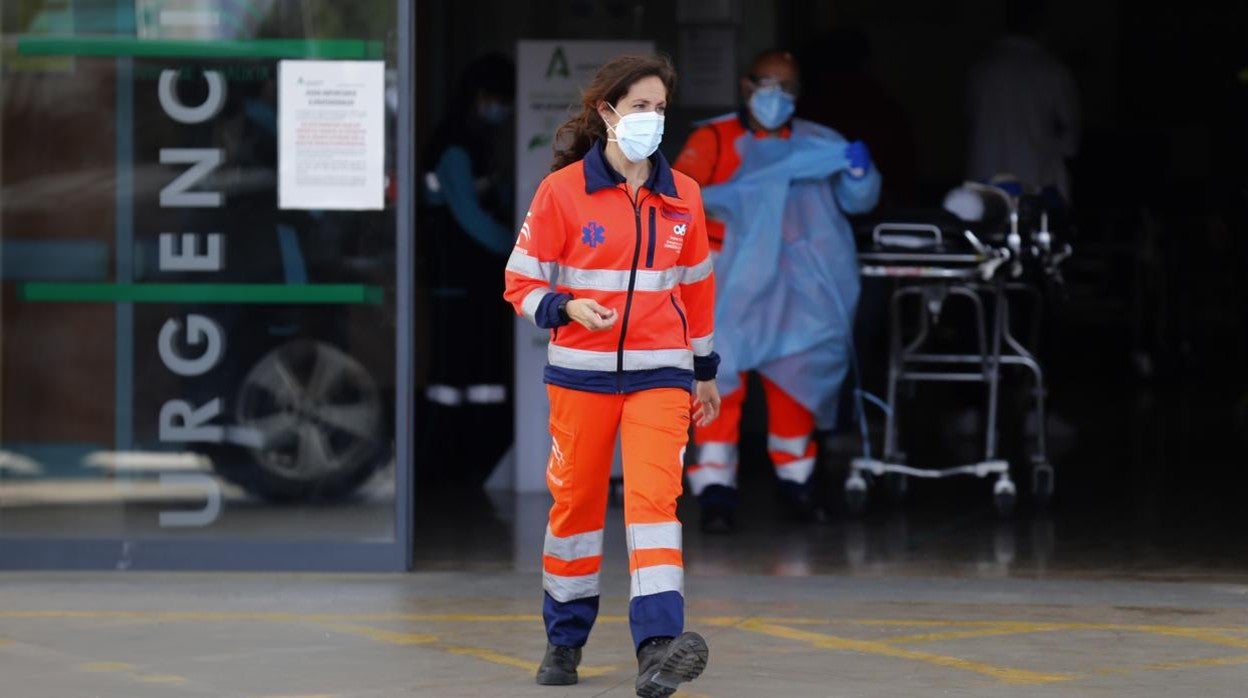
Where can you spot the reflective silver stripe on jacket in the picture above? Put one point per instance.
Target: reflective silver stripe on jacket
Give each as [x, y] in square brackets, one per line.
[634, 359]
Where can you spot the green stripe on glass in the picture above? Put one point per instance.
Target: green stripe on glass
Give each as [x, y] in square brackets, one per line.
[186, 48]
[43, 292]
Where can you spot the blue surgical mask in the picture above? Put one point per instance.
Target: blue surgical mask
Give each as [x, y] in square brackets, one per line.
[495, 113]
[772, 106]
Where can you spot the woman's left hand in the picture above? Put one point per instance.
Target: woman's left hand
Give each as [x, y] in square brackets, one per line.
[705, 402]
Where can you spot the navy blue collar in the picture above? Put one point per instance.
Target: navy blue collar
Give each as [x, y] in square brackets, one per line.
[599, 174]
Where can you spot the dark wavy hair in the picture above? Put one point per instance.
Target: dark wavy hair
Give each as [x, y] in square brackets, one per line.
[577, 135]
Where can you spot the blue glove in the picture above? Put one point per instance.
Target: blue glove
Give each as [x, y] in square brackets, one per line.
[859, 159]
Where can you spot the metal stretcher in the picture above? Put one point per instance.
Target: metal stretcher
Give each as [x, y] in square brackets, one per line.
[935, 259]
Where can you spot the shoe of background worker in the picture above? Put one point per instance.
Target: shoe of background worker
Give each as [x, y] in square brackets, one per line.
[559, 666]
[719, 507]
[801, 503]
[719, 521]
[663, 663]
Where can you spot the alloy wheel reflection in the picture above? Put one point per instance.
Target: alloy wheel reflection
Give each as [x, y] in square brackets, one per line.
[317, 409]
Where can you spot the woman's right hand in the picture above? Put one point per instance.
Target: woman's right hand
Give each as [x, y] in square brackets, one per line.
[590, 314]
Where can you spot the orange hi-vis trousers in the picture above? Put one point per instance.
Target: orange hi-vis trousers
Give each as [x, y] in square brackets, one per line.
[789, 428]
[652, 426]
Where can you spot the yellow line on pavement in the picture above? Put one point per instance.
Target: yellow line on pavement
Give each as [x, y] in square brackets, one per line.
[1215, 636]
[130, 673]
[801, 621]
[1046, 625]
[491, 656]
[722, 621]
[1212, 635]
[106, 666]
[442, 617]
[160, 678]
[507, 660]
[831, 642]
[282, 617]
[1011, 629]
[921, 623]
[1213, 662]
[1174, 665]
[535, 618]
[389, 637]
[164, 615]
[941, 630]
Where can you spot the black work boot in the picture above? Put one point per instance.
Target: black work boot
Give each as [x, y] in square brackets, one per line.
[663, 663]
[559, 666]
[719, 507]
[801, 503]
[718, 521]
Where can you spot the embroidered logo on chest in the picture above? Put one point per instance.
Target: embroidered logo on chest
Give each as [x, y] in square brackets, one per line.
[680, 227]
[677, 240]
[593, 234]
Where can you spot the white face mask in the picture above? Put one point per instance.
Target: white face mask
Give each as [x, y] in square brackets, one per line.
[638, 134]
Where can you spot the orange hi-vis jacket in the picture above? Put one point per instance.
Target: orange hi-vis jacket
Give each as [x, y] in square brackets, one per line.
[710, 157]
[645, 255]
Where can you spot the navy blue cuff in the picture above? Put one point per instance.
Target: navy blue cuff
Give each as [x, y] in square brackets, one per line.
[705, 368]
[547, 315]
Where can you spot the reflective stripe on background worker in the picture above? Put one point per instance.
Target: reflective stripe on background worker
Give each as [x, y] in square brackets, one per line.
[788, 278]
[463, 245]
[631, 314]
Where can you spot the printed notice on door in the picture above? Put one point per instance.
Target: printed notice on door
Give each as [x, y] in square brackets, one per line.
[331, 123]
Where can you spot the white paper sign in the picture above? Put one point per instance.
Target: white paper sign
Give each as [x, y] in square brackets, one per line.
[550, 76]
[331, 129]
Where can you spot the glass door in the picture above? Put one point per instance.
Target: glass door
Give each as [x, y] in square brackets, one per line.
[204, 313]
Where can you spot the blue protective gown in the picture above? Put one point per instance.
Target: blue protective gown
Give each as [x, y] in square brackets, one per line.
[787, 279]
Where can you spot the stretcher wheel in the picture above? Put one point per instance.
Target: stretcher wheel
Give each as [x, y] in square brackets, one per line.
[855, 501]
[1004, 503]
[898, 484]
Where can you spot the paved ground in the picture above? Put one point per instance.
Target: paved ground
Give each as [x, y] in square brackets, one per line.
[460, 634]
[1135, 585]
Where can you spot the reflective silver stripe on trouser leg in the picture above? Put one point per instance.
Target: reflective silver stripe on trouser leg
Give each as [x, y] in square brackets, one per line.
[655, 579]
[569, 548]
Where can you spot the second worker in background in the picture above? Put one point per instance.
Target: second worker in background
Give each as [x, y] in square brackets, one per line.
[787, 261]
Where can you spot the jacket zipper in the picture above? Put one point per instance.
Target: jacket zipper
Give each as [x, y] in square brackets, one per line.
[628, 299]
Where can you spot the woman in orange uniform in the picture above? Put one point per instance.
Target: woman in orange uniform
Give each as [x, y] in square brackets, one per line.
[631, 319]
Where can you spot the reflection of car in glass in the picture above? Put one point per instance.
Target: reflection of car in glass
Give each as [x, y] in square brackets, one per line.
[306, 388]
[303, 390]
[313, 422]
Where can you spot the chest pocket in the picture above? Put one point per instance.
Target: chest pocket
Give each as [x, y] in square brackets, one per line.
[667, 226]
